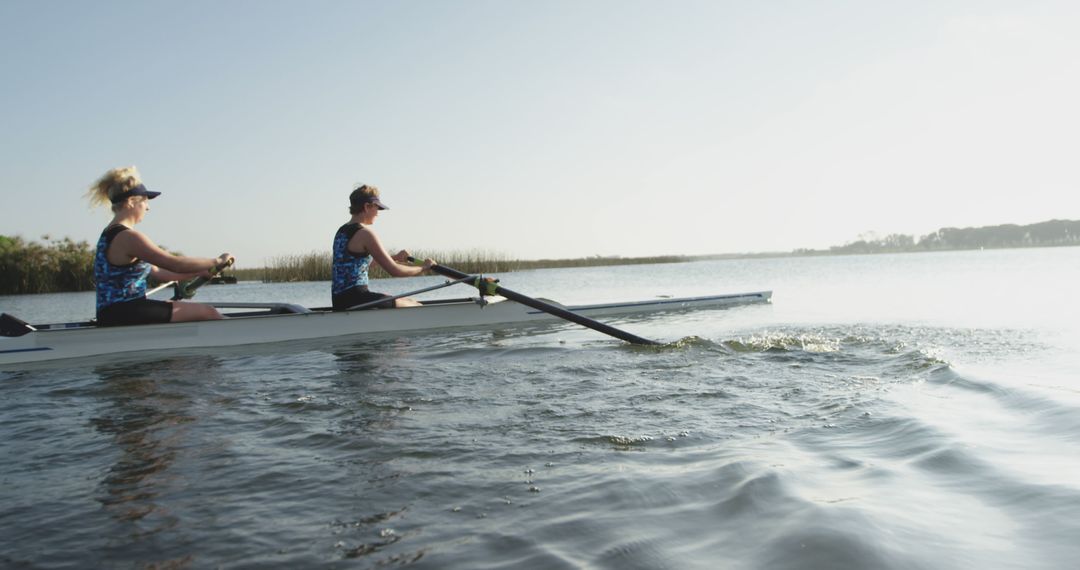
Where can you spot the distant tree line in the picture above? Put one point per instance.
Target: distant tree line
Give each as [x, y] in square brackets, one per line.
[59, 265]
[56, 265]
[1042, 234]
[53, 266]
[65, 265]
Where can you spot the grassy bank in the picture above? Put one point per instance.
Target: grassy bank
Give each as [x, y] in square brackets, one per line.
[315, 266]
[50, 267]
[65, 265]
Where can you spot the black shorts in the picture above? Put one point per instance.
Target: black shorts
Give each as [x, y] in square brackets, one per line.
[358, 296]
[137, 312]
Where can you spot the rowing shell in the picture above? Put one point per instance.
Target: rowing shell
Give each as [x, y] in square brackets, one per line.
[256, 323]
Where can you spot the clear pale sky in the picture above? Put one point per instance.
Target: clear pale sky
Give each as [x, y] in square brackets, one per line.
[541, 129]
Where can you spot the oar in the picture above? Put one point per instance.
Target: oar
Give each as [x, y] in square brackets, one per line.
[493, 288]
[182, 290]
[407, 294]
[159, 288]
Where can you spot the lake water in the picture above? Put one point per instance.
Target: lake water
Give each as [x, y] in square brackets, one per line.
[890, 411]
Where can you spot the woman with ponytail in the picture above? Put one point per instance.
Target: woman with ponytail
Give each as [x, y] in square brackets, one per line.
[126, 257]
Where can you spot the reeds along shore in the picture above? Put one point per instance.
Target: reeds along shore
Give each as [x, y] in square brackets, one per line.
[315, 266]
[65, 265]
[52, 267]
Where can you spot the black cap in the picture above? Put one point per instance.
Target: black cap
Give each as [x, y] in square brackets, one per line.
[139, 190]
[357, 199]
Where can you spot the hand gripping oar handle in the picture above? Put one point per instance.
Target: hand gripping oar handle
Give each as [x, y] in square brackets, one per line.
[182, 290]
[489, 287]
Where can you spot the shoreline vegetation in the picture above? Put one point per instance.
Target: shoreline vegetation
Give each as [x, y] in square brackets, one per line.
[62, 265]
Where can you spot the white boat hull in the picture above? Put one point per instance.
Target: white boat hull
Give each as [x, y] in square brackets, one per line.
[54, 342]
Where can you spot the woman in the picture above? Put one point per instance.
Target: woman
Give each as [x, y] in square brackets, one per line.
[356, 245]
[126, 257]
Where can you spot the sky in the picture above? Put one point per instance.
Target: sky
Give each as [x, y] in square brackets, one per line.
[544, 129]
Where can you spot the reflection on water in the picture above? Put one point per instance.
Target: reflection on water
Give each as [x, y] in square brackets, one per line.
[366, 390]
[147, 415]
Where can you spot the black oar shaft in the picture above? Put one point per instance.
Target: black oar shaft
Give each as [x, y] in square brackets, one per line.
[187, 290]
[551, 309]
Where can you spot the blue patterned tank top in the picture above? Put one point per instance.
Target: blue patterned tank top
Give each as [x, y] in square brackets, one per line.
[117, 283]
[349, 270]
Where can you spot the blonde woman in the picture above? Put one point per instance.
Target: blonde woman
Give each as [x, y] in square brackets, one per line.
[126, 257]
[356, 245]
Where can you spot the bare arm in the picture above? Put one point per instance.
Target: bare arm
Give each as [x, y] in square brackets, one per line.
[366, 240]
[163, 275]
[132, 244]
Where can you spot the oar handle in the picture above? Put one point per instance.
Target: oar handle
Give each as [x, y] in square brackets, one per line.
[490, 287]
[182, 290]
